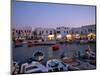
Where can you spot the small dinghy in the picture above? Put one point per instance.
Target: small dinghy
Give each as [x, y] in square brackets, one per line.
[18, 43]
[55, 47]
[55, 65]
[38, 56]
[89, 54]
[29, 44]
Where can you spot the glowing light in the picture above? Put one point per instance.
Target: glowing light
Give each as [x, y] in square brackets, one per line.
[50, 37]
[91, 36]
[77, 36]
[59, 36]
[69, 36]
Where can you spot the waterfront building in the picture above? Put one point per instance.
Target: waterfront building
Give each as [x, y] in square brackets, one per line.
[66, 33]
[44, 33]
[88, 32]
[74, 33]
[21, 32]
[61, 32]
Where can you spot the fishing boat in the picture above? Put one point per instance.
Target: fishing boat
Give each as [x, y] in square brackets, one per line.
[18, 43]
[68, 60]
[39, 56]
[90, 54]
[29, 44]
[55, 47]
[32, 67]
[55, 65]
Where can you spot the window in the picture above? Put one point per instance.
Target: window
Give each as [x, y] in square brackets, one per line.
[81, 32]
[16, 31]
[67, 31]
[58, 32]
[91, 30]
[42, 32]
[21, 30]
[58, 28]
[50, 32]
[64, 32]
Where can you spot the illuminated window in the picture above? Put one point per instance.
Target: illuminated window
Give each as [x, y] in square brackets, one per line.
[91, 36]
[77, 36]
[69, 36]
[51, 37]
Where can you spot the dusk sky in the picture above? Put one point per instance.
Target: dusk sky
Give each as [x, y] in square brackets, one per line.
[51, 15]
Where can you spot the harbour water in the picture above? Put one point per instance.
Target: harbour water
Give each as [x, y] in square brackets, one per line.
[21, 54]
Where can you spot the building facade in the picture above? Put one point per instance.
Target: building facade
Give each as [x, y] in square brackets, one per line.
[61, 32]
[44, 33]
[21, 32]
[88, 32]
[84, 32]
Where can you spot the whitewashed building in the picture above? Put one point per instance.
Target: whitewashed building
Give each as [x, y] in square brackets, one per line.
[52, 34]
[89, 31]
[21, 32]
[62, 31]
[44, 33]
[75, 30]
[84, 32]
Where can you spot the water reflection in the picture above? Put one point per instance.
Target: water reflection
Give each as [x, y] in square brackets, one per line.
[23, 53]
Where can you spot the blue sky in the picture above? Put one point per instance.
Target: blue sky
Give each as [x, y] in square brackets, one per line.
[51, 15]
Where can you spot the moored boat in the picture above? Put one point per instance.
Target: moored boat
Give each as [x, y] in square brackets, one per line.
[32, 66]
[29, 44]
[55, 65]
[39, 56]
[55, 47]
[18, 43]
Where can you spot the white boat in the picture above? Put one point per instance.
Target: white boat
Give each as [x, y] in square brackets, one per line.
[14, 68]
[38, 56]
[55, 65]
[33, 67]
